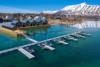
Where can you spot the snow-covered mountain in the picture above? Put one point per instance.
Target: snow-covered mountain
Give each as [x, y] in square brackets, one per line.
[82, 8]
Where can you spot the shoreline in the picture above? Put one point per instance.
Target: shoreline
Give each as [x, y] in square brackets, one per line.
[12, 33]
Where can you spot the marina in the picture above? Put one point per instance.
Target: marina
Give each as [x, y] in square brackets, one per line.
[50, 33]
[42, 44]
[37, 46]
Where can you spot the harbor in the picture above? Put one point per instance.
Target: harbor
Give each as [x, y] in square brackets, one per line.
[64, 48]
[43, 44]
[49, 33]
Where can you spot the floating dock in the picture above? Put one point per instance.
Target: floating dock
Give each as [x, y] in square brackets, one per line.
[45, 46]
[41, 43]
[15, 48]
[72, 38]
[79, 36]
[48, 47]
[63, 42]
[84, 34]
[26, 53]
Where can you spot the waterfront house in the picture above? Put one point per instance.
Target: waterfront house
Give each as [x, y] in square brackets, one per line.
[26, 21]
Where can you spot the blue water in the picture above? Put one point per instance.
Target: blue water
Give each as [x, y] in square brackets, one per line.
[82, 53]
[8, 42]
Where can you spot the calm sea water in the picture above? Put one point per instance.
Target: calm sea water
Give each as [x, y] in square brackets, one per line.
[82, 53]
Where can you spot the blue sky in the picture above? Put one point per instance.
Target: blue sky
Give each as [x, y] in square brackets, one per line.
[41, 5]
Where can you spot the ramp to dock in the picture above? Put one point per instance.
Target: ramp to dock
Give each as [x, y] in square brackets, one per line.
[26, 36]
[26, 53]
[30, 39]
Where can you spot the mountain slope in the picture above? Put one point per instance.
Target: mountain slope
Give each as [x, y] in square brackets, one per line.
[82, 8]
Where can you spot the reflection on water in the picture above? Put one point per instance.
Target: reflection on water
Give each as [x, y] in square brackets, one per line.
[88, 24]
[43, 33]
[50, 32]
[83, 53]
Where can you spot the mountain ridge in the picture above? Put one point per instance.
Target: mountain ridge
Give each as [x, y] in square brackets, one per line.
[82, 8]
